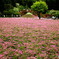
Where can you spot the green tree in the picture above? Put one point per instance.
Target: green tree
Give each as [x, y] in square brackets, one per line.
[20, 7]
[39, 7]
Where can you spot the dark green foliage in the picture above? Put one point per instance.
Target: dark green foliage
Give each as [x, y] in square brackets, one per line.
[8, 6]
[54, 13]
[39, 7]
[21, 7]
[0, 14]
[14, 57]
[39, 58]
[9, 12]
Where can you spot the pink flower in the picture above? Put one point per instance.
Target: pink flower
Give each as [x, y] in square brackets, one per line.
[52, 42]
[8, 43]
[18, 45]
[31, 57]
[6, 52]
[4, 46]
[31, 51]
[53, 46]
[1, 55]
[25, 44]
[42, 55]
[20, 52]
[1, 40]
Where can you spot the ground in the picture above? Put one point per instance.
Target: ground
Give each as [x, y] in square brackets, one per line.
[29, 38]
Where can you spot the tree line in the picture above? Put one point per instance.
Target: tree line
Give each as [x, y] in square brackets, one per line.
[4, 4]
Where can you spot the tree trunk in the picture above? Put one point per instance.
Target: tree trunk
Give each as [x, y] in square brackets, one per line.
[38, 15]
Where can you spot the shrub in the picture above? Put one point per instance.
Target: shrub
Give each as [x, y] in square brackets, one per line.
[16, 13]
[57, 14]
[28, 15]
[54, 13]
[20, 7]
[10, 12]
[5, 12]
[17, 4]
[15, 9]
[39, 7]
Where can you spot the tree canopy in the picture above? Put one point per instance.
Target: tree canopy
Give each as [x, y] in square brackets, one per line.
[39, 7]
[52, 4]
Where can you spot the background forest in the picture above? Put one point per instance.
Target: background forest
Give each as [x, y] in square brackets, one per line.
[53, 4]
[10, 6]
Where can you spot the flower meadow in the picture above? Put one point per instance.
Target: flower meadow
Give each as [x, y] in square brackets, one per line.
[29, 38]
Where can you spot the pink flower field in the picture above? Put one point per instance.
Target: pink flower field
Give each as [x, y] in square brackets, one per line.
[29, 38]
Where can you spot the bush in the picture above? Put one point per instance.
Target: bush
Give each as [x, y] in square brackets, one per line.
[57, 14]
[5, 12]
[39, 7]
[30, 15]
[20, 7]
[16, 13]
[54, 13]
[17, 4]
[15, 9]
[10, 12]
